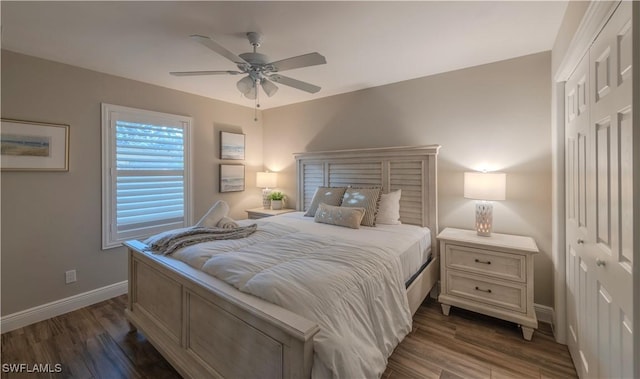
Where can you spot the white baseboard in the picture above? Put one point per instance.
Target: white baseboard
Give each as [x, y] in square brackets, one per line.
[544, 314]
[56, 308]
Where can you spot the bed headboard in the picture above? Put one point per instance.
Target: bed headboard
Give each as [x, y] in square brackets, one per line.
[411, 168]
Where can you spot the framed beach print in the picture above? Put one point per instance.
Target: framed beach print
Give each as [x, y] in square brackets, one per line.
[33, 146]
[231, 146]
[231, 177]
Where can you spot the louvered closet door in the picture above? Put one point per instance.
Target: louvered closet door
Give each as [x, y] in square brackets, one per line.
[599, 217]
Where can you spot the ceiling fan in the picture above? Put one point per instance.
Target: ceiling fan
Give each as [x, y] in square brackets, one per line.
[258, 68]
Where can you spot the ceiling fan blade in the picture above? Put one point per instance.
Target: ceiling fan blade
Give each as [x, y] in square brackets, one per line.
[196, 73]
[269, 88]
[306, 60]
[216, 47]
[295, 83]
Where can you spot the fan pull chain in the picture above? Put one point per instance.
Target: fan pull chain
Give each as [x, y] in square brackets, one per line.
[255, 110]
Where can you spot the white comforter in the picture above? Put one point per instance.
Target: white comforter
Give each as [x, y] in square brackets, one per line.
[355, 292]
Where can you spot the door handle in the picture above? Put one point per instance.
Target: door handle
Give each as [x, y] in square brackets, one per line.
[580, 241]
[600, 263]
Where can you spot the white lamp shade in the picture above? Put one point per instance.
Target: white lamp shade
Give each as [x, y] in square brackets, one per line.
[485, 185]
[266, 179]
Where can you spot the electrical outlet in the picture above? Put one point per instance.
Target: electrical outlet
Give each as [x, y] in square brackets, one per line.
[70, 276]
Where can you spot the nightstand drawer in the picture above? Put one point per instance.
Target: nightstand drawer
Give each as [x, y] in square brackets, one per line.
[487, 262]
[511, 296]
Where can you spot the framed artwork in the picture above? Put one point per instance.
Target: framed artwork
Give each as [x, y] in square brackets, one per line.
[34, 146]
[231, 177]
[231, 146]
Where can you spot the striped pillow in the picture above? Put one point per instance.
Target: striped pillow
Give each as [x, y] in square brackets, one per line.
[327, 195]
[366, 198]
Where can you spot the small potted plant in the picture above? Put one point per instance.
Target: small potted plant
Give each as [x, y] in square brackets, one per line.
[276, 198]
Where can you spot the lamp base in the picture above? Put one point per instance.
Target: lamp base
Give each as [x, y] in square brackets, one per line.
[266, 202]
[484, 218]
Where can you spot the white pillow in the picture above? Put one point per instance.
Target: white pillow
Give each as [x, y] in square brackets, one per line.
[389, 208]
[217, 212]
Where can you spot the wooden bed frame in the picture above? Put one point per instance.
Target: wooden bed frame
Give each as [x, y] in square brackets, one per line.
[206, 328]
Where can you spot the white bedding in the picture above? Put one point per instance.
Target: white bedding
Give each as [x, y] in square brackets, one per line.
[348, 281]
[412, 244]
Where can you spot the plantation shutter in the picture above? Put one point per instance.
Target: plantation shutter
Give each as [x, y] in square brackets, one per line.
[148, 177]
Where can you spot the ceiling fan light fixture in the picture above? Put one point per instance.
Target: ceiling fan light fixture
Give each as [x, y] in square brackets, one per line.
[251, 93]
[245, 85]
[269, 88]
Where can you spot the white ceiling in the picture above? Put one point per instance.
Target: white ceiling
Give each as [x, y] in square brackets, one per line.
[366, 44]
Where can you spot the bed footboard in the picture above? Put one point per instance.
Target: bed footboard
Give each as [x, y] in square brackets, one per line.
[206, 328]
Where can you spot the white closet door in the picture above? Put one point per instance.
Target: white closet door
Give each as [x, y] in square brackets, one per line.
[599, 205]
[578, 140]
[610, 241]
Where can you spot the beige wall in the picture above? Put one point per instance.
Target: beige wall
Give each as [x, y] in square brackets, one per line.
[496, 116]
[51, 220]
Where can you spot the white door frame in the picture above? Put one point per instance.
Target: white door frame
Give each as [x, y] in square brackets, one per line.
[592, 23]
[636, 183]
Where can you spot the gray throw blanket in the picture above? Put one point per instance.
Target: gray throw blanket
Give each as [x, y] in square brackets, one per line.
[169, 242]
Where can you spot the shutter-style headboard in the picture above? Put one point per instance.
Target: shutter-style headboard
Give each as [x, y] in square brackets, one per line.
[412, 169]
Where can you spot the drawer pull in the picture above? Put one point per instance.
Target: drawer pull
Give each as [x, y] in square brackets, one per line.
[485, 262]
[480, 289]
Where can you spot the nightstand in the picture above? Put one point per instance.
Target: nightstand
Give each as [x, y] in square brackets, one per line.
[257, 213]
[489, 275]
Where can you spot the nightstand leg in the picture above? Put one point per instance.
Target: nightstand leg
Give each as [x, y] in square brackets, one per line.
[445, 309]
[527, 333]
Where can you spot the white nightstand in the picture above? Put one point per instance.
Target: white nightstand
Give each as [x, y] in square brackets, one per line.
[257, 213]
[489, 275]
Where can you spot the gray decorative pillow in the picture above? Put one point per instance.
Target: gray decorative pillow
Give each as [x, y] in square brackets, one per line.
[327, 195]
[340, 216]
[366, 198]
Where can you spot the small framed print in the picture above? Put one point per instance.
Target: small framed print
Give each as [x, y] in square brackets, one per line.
[231, 146]
[231, 177]
[34, 146]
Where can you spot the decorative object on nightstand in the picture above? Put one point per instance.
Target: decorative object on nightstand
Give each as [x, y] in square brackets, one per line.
[484, 187]
[277, 200]
[489, 275]
[257, 213]
[266, 180]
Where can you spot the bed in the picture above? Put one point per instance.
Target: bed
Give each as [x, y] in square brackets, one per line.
[207, 328]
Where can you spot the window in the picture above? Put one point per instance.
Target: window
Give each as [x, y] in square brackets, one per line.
[145, 173]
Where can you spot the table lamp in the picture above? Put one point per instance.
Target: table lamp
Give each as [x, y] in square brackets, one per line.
[484, 187]
[266, 180]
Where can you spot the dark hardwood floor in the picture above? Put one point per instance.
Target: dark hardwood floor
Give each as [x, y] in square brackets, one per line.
[95, 342]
